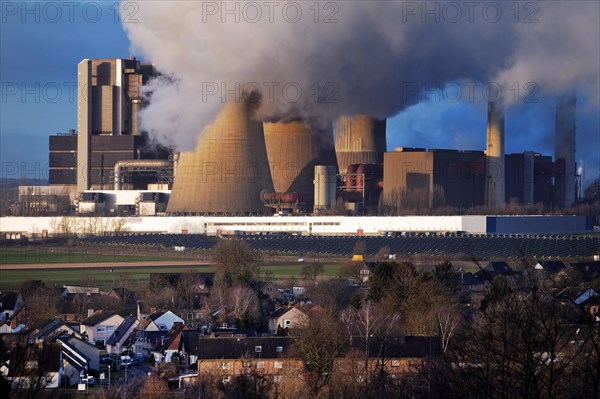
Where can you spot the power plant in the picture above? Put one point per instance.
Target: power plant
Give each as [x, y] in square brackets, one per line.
[359, 139]
[293, 150]
[228, 169]
[243, 166]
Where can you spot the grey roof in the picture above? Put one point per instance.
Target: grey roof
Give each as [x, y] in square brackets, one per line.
[68, 351]
[49, 329]
[235, 347]
[121, 329]
[97, 317]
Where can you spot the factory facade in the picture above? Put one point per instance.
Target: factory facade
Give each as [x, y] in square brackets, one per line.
[241, 166]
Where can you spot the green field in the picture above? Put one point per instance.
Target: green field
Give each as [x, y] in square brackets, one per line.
[50, 255]
[135, 276]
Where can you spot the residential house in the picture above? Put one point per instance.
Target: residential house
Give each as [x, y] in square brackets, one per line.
[116, 342]
[290, 317]
[68, 311]
[265, 356]
[10, 302]
[100, 326]
[498, 267]
[69, 290]
[91, 352]
[298, 292]
[163, 321]
[147, 337]
[268, 289]
[171, 345]
[549, 267]
[583, 298]
[401, 356]
[75, 363]
[35, 367]
[470, 283]
[366, 271]
[5, 328]
[57, 327]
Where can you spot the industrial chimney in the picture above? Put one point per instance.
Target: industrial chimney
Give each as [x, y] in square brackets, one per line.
[359, 140]
[565, 150]
[494, 165]
[228, 170]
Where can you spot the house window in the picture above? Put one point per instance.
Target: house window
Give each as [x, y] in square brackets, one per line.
[278, 365]
[276, 379]
[225, 366]
[258, 349]
[279, 349]
[245, 364]
[101, 328]
[225, 380]
[395, 363]
[260, 365]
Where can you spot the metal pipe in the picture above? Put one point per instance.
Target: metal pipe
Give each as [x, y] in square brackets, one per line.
[147, 163]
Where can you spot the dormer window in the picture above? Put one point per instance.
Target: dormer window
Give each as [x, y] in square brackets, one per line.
[258, 349]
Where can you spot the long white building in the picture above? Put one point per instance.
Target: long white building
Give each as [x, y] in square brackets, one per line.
[10, 227]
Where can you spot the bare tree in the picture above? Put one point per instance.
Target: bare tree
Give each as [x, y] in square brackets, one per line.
[243, 304]
[236, 261]
[318, 345]
[311, 271]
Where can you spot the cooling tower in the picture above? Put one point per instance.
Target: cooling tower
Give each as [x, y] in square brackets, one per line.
[227, 171]
[494, 165]
[565, 149]
[359, 140]
[293, 149]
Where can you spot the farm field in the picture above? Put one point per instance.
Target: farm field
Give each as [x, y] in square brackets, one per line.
[77, 255]
[107, 274]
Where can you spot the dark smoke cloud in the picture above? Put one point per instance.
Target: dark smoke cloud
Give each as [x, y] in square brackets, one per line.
[374, 57]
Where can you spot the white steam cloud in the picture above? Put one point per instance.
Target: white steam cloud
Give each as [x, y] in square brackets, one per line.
[318, 61]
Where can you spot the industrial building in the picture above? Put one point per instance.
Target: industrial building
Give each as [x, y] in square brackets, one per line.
[416, 179]
[109, 99]
[302, 225]
[108, 151]
[242, 166]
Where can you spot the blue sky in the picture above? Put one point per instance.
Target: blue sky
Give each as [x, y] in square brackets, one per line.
[41, 46]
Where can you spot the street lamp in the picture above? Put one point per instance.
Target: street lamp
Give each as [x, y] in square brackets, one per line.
[109, 376]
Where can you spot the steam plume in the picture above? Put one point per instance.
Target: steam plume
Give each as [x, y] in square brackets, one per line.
[377, 59]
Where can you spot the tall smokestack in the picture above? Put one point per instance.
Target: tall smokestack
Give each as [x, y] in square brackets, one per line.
[565, 150]
[494, 165]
